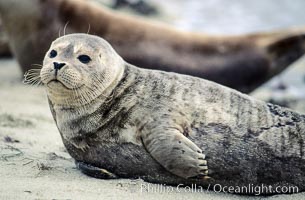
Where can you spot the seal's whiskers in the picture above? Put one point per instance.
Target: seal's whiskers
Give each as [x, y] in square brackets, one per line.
[65, 27]
[32, 77]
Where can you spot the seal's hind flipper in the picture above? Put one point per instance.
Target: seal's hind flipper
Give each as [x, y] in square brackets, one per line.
[93, 171]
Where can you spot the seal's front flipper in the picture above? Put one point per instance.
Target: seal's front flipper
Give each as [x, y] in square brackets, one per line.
[174, 151]
[94, 171]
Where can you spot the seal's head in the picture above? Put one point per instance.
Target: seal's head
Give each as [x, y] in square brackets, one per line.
[78, 68]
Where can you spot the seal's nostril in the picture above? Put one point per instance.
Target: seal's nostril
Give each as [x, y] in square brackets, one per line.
[58, 66]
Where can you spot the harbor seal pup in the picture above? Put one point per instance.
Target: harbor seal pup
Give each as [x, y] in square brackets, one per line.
[241, 62]
[118, 120]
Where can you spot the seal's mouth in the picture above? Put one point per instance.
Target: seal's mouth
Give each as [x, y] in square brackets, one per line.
[55, 83]
[55, 80]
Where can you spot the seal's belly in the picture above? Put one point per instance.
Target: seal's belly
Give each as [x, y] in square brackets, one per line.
[125, 160]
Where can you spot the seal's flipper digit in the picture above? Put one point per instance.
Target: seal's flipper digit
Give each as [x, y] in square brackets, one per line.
[94, 171]
[175, 152]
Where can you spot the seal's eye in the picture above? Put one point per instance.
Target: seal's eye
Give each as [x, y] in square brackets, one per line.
[53, 54]
[84, 59]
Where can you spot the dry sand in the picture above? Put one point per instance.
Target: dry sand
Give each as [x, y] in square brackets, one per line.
[35, 165]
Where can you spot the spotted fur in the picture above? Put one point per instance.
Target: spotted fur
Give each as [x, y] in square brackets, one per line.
[170, 128]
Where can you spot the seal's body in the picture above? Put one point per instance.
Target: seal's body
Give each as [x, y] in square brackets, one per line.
[129, 122]
[241, 62]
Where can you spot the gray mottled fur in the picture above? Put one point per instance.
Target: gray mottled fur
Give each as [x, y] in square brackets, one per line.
[163, 127]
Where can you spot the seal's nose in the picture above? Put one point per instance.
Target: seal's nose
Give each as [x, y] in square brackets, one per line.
[58, 66]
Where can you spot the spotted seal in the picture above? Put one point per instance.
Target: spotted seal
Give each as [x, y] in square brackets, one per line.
[118, 120]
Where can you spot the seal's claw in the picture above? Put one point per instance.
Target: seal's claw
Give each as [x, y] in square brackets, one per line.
[203, 167]
[202, 156]
[206, 178]
[203, 163]
[205, 172]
